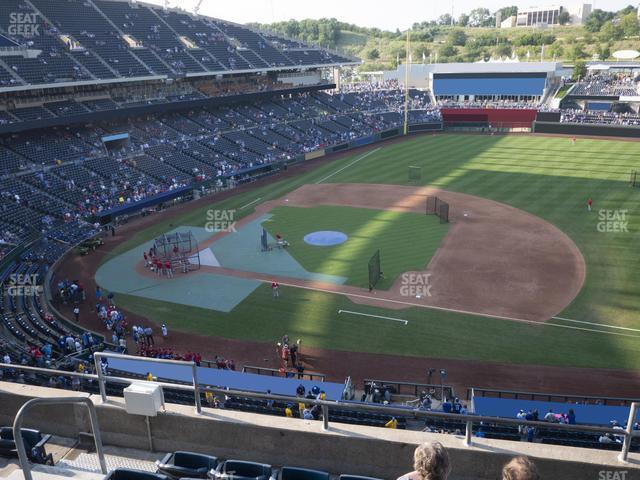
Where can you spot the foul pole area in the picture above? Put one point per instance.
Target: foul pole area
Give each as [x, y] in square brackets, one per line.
[406, 85]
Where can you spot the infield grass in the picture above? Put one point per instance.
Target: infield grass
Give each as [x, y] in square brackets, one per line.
[407, 241]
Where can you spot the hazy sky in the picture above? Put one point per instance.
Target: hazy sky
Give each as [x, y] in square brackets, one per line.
[374, 13]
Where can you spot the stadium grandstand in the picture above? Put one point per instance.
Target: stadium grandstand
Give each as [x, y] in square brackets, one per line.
[112, 111]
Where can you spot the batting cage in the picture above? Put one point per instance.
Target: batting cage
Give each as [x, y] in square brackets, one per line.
[414, 173]
[179, 248]
[375, 273]
[438, 207]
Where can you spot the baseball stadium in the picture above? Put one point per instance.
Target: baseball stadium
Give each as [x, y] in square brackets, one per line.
[246, 261]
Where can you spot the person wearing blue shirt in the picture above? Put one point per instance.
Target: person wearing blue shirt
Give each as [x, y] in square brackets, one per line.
[572, 417]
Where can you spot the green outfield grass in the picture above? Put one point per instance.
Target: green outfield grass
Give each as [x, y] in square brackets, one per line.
[547, 176]
[407, 241]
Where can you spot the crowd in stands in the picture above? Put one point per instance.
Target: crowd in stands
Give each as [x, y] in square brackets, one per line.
[606, 85]
[452, 103]
[598, 117]
[68, 174]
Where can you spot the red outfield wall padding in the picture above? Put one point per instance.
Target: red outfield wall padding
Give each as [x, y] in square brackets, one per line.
[491, 115]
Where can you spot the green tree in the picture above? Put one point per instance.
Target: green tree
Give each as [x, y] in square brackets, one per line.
[507, 12]
[629, 25]
[463, 20]
[373, 54]
[603, 51]
[611, 32]
[579, 70]
[597, 19]
[503, 50]
[457, 37]
[444, 19]
[480, 17]
[564, 17]
[448, 50]
[556, 50]
[576, 52]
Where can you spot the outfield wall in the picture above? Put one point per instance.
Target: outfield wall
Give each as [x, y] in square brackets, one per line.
[344, 448]
[495, 117]
[587, 129]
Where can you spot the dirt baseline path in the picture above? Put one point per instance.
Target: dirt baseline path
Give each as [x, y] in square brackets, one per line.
[496, 260]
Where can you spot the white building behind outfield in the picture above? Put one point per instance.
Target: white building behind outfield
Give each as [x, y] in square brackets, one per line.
[545, 15]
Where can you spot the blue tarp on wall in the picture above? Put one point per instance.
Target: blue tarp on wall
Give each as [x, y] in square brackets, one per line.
[585, 414]
[225, 378]
[532, 86]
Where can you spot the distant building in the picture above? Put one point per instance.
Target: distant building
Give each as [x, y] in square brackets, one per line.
[509, 22]
[548, 15]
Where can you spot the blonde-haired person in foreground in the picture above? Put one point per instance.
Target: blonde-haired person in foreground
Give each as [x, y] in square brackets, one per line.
[520, 468]
[430, 462]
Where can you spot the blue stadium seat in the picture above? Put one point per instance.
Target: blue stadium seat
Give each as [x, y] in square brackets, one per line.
[240, 470]
[130, 474]
[186, 464]
[294, 473]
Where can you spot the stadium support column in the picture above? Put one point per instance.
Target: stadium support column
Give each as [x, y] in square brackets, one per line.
[407, 65]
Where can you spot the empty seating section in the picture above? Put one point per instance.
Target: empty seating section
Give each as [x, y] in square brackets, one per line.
[52, 65]
[176, 157]
[159, 170]
[100, 51]
[100, 104]
[97, 67]
[66, 107]
[31, 113]
[86, 25]
[263, 51]
[147, 28]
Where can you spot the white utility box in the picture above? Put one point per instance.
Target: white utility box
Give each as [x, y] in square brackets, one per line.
[143, 399]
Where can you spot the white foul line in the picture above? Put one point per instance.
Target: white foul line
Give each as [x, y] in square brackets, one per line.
[453, 310]
[597, 324]
[347, 166]
[251, 203]
[406, 322]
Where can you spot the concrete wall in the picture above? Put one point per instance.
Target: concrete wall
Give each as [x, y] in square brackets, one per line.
[280, 441]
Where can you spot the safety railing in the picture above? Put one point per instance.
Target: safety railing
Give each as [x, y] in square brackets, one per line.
[274, 372]
[549, 397]
[17, 429]
[414, 389]
[391, 411]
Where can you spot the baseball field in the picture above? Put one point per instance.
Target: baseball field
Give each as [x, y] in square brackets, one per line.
[522, 274]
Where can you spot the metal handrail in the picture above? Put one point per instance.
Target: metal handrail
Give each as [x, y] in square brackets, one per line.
[17, 429]
[387, 410]
[479, 391]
